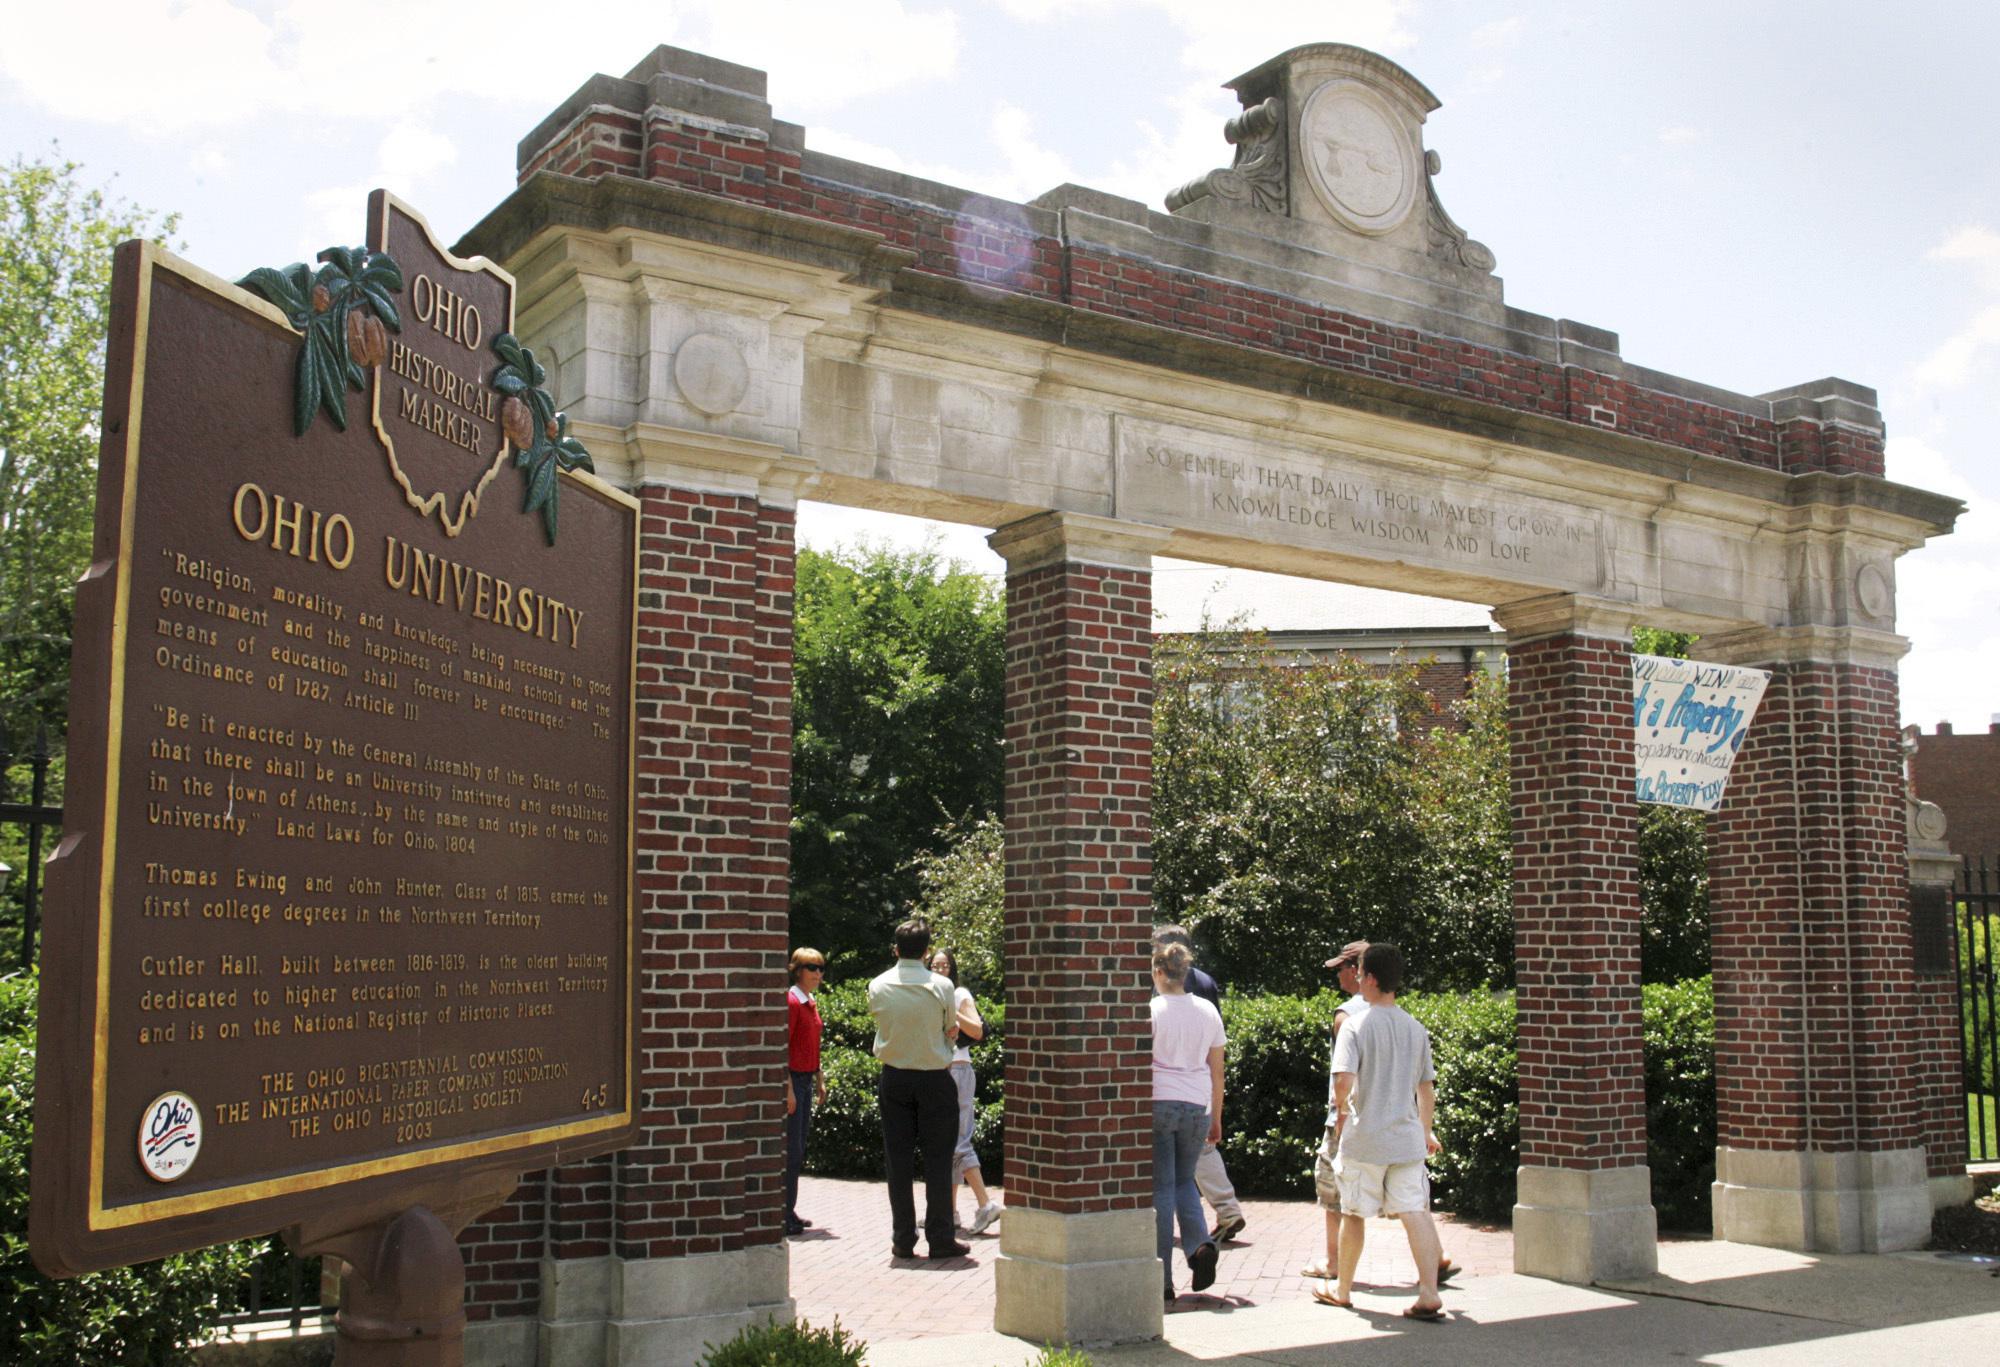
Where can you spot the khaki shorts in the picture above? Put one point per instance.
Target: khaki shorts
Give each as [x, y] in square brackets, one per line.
[1372, 1189]
[1326, 1182]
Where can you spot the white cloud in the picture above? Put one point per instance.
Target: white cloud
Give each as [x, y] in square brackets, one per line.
[1501, 34]
[408, 155]
[1235, 37]
[1978, 244]
[1956, 359]
[1681, 134]
[222, 64]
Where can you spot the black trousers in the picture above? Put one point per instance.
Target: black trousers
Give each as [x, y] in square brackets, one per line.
[798, 1129]
[919, 1106]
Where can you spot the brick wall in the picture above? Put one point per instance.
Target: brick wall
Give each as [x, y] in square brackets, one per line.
[1825, 1038]
[1078, 891]
[1961, 773]
[711, 879]
[992, 247]
[1576, 903]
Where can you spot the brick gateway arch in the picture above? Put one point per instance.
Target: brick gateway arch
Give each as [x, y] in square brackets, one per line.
[1306, 367]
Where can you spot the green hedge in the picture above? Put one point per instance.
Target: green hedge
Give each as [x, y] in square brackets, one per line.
[128, 1317]
[847, 1129]
[1276, 1090]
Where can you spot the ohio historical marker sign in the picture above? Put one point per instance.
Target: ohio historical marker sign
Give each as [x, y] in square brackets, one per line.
[343, 906]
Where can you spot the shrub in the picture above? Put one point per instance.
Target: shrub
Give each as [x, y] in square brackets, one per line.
[1680, 1100]
[792, 1343]
[1277, 1080]
[144, 1316]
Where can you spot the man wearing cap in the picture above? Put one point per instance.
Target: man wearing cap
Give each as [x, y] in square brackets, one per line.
[1346, 966]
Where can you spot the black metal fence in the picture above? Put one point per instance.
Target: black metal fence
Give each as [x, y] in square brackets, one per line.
[281, 1285]
[1978, 905]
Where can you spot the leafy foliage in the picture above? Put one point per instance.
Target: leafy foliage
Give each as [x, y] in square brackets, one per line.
[143, 1316]
[899, 660]
[549, 447]
[56, 239]
[1673, 864]
[962, 895]
[1680, 1100]
[1296, 807]
[352, 283]
[789, 1343]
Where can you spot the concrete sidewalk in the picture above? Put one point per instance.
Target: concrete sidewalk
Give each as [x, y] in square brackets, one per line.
[1711, 1302]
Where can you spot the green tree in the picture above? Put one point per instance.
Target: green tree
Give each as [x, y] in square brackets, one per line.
[1296, 807]
[56, 236]
[963, 898]
[1673, 865]
[899, 668]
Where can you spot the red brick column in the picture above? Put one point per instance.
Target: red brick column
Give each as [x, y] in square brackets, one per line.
[1834, 1076]
[1585, 1209]
[1077, 1260]
[677, 1240]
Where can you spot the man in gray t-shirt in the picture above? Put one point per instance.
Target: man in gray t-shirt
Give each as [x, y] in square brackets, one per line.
[1385, 1092]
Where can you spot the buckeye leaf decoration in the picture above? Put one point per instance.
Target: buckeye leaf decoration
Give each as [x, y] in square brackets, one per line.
[542, 443]
[344, 313]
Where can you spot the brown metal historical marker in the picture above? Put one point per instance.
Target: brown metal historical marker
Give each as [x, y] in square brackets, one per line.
[341, 923]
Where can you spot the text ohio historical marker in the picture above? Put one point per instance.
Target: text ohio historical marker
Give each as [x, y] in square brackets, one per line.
[342, 917]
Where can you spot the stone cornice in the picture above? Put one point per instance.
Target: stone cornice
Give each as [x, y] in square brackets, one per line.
[1560, 614]
[1077, 539]
[1761, 646]
[707, 462]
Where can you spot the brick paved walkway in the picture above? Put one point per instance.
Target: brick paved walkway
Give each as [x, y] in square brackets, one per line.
[842, 1266]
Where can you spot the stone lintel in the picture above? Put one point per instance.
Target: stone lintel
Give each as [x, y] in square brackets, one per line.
[710, 462]
[1820, 1201]
[661, 1312]
[1762, 646]
[1582, 1226]
[1079, 539]
[1557, 614]
[1092, 1278]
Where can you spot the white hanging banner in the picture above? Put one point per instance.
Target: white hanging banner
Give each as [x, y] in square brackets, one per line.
[1688, 721]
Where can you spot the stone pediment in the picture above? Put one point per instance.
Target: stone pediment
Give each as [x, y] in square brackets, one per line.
[1330, 156]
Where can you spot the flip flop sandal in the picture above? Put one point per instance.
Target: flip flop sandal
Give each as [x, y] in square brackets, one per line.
[1321, 1270]
[1427, 1313]
[1447, 1270]
[1328, 1298]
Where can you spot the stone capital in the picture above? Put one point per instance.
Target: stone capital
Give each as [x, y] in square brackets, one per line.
[708, 462]
[1079, 539]
[1765, 646]
[1558, 614]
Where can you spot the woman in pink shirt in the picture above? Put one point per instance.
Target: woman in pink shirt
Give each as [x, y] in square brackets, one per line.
[1188, 1042]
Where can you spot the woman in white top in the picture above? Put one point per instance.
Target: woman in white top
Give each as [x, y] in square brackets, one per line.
[1188, 1042]
[963, 1160]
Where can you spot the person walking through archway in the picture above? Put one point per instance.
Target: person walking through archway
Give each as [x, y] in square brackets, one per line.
[1188, 1044]
[1385, 1093]
[1210, 1173]
[965, 1159]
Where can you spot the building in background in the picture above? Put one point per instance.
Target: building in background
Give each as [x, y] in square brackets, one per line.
[1961, 774]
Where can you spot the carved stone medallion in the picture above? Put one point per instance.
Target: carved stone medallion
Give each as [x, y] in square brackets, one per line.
[711, 373]
[1359, 156]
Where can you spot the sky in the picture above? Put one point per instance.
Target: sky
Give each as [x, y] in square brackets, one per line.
[1753, 195]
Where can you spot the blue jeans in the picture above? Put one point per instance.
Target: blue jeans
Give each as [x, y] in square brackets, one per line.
[1179, 1127]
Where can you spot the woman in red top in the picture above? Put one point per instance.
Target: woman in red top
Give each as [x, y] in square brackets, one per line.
[806, 1084]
